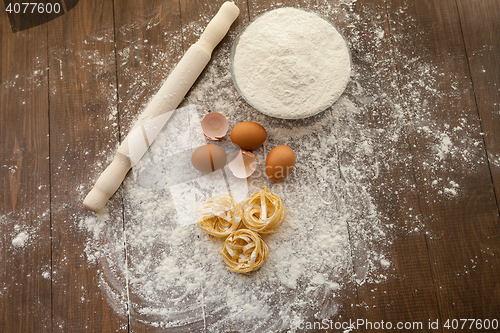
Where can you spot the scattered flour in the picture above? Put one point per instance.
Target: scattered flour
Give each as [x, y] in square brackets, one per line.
[21, 239]
[445, 147]
[385, 263]
[336, 234]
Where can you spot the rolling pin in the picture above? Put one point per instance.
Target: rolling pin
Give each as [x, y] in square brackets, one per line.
[160, 107]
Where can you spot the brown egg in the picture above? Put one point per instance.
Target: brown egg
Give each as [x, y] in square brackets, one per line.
[248, 135]
[279, 163]
[208, 158]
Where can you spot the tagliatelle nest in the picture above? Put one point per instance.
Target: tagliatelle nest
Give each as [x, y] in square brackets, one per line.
[263, 212]
[220, 215]
[244, 251]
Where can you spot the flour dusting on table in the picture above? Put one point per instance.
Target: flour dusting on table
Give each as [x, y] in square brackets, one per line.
[335, 234]
[20, 239]
[335, 237]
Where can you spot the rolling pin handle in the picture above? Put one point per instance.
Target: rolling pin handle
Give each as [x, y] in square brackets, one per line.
[218, 27]
[108, 183]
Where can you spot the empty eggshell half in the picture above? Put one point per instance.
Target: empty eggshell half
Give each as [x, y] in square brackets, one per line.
[214, 125]
[243, 164]
[208, 158]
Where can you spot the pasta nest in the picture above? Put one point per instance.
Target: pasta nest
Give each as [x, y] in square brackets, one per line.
[220, 216]
[244, 251]
[263, 212]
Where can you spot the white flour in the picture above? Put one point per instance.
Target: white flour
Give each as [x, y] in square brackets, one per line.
[291, 63]
[20, 239]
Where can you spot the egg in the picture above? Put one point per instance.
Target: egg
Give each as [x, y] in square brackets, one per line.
[248, 135]
[279, 163]
[208, 158]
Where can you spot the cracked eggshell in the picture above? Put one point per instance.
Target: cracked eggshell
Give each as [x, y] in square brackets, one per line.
[242, 164]
[214, 125]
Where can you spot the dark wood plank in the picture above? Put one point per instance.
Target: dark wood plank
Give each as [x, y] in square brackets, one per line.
[25, 248]
[461, 220]
[408, 294]
[149, 45]
[82, 135]
[479, 23]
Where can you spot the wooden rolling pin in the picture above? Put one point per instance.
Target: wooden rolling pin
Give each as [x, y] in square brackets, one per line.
[159, 108]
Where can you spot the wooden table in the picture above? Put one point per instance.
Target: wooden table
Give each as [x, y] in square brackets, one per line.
[55, 106]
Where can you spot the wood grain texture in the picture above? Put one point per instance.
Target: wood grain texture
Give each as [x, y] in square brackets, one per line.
[408, 294]
[462, 234]
[82, 104]
[149, 45]
[25, 293]
[84, 77]
[479, 24]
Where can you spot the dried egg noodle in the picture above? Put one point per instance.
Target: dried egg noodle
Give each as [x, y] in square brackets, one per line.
[220, 215]
[244, 251]
[263, 212]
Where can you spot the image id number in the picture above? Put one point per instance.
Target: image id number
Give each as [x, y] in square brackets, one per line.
[469, 324]
[33, 8]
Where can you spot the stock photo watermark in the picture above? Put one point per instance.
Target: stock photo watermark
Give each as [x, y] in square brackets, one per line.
[362, 324]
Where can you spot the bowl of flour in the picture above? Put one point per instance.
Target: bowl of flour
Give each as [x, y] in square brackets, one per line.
[290, 63]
